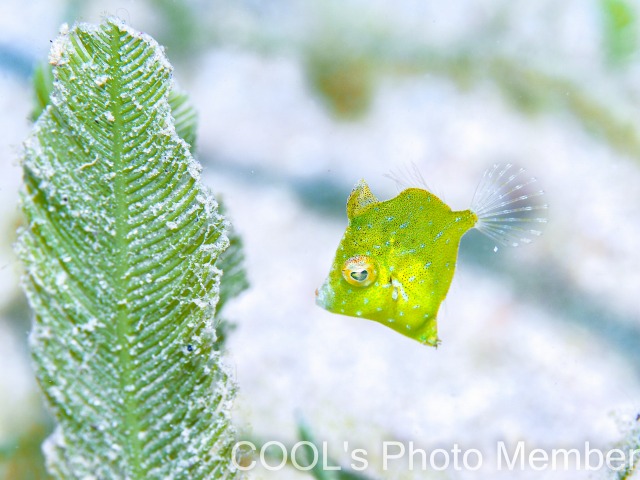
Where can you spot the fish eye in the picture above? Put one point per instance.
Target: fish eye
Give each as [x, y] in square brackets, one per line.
[360, 276]
[359, 271]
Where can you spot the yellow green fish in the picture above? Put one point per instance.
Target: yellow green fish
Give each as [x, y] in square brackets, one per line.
[397, 257]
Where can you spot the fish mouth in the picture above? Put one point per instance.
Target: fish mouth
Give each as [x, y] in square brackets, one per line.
[325, 296]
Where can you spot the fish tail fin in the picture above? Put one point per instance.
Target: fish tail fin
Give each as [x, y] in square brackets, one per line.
[510, 208]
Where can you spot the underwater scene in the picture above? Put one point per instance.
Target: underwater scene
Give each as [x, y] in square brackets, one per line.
[433, 217]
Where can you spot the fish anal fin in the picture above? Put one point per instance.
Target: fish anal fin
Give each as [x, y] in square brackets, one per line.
[360, 199]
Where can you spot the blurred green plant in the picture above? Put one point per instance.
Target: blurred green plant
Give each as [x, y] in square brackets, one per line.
[22, 459]
[184, 115]
[620, 30]
[306, 435]
[343, 79]
[309, 457]
[344, 72]
[233, 282]
[182, 30]
[42, 88]
[120, 256]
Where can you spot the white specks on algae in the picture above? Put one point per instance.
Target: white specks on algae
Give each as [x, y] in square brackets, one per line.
[101, 80]
[91, 325]
[194, 168]
[57, 51]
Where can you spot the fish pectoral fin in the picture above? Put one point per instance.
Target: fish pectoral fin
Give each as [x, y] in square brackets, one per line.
[398, 288]
[360, 199]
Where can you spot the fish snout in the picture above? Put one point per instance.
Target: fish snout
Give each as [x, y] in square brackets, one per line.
[325, 296]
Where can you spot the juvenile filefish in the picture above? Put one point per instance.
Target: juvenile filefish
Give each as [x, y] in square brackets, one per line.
[397, 257]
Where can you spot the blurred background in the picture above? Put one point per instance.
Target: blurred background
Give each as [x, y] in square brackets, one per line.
[299, 100]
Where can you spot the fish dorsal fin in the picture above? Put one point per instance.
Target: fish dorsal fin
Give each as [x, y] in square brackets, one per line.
[408, 176]
[360, 199]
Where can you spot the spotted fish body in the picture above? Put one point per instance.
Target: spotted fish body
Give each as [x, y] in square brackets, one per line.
[396, 260]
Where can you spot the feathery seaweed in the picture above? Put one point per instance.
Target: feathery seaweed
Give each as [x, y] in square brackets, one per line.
[120, 255]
